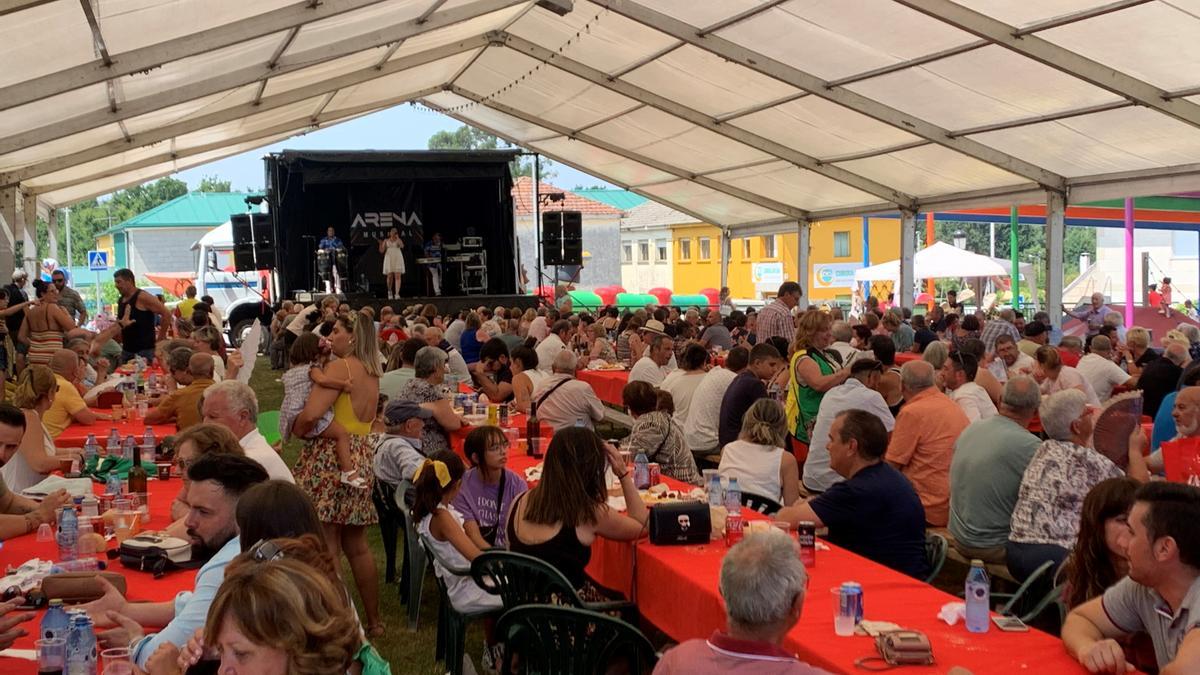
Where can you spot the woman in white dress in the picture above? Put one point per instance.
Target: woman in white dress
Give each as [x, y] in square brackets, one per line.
[392, 249]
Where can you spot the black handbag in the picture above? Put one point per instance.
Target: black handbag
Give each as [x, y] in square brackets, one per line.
[680, 523]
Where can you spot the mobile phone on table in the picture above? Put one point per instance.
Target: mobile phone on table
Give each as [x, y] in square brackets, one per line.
[1010, 624]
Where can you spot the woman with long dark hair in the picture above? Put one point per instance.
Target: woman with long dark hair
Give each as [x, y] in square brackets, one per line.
[1098, 560]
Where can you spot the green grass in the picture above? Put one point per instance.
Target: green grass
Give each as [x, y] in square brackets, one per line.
[408, 652]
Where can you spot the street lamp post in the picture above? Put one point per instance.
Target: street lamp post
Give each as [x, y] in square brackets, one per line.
[960, 239]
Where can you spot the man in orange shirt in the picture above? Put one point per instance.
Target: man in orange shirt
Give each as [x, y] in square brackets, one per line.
[922, 442]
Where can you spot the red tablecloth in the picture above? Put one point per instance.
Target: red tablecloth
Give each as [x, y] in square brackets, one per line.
[141, 586]
[606, 383]
[905, 357]
[76, 435]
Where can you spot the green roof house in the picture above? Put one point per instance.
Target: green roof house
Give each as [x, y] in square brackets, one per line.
[160, 240]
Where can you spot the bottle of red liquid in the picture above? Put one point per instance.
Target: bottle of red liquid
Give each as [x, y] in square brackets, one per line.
[532, 428]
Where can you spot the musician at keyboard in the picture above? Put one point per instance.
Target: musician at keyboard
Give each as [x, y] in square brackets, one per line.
[433, 261]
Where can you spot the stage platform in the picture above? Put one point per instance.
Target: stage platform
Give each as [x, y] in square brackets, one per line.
[444, 304]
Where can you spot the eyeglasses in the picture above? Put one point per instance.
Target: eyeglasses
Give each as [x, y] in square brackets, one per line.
[266, 551]
[498, 446]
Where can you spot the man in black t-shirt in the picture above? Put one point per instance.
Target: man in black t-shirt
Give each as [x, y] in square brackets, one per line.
[746, 388]
[922, 335]
[491, 373]
[875, 512]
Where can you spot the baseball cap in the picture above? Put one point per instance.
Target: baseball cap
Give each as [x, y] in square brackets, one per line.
[399, 412]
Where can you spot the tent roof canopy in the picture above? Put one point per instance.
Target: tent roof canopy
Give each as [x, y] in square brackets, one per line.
[742, 113]
[935, 262]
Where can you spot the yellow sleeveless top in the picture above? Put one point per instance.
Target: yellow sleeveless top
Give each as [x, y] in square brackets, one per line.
[343, 413]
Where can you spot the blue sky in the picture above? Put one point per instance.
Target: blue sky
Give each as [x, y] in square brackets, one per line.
[404, 127]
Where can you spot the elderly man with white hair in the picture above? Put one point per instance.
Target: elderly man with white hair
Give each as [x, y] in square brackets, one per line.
[454, 358]
[1098, 368]
[842, 334]
[234, 406]
[1091, 315]
[764, 585]
[923, 440]
[1045, 520]
[564, 401]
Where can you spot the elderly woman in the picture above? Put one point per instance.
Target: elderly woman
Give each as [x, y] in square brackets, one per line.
[757, 458]
[813, 374]
[36, 456]
[656, 434]
[426, 389]
[1053, 376]
[1045, 521]
[935, 354]
[344, 510]
[1137, 352]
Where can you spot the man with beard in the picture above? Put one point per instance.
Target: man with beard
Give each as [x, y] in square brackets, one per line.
[1160, 594]
[217, 481]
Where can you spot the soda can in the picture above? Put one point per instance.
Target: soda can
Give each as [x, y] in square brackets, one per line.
[807, 536]
[733, 528]
[852, 592]
[504, 415]
[655, 473]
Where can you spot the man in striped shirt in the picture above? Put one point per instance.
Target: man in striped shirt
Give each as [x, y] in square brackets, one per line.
[776, 318]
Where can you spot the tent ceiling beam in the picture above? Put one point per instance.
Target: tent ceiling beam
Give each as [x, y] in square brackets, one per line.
[10, 6]
[787, 74]
[741, 16]
[513, 141]
[609, 118]
[766, 105]
[646, 60]
[152, 56]
[97, 37]
[1064, 60]
[299, 125]
[239, 111]
[433, 7]
[865, 154]
[1049, 117]
[709, 183]
[250, 74]
[704, 121]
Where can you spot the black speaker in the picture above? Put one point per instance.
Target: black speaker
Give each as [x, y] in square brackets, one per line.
[572, 238]
[247, 239]
[552, 238]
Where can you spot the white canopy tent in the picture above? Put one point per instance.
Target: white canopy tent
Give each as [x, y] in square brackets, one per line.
[759, 116]
[936, 262]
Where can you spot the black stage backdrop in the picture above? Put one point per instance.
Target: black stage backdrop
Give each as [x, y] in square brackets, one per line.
[362, 195]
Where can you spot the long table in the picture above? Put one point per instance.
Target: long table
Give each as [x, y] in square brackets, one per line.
[606, 383]
[141, 586]
[75, 435]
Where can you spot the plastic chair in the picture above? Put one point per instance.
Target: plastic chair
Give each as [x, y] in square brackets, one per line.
[110, 398]
[268, 426]
[553, 640]
[936, 547]
[383, 496]
[1033, 596]
[452, 624]
[761, 504]
[521, 579]
[412, 576]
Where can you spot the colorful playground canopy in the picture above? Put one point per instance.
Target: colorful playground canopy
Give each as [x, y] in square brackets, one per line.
[749, 114]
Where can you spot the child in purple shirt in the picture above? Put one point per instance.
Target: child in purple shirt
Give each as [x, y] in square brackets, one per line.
[488, 488]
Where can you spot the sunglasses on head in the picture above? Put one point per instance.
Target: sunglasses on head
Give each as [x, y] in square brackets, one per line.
[266, 551]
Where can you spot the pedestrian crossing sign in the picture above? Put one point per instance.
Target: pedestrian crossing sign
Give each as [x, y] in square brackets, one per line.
[97, 261]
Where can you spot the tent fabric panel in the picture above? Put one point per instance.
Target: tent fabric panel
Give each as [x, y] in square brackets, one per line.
[193, 108]
[964, 91]
[613, 166]
[351, 25]
[462, 30]
[42, 40]
[193, 69]
[822, 129]
[1022, 13]
[706, 82]
[60, 147]
[327, 70]
[675, 141]
[716, 207]
[1164, 53]
[15, 121]
[833, 40]
[931, 170]
[507, 125]
[702, 14]
[389, 87]
[124, 22]
[611, 44]
[110, 163]
[1112, 141]
[549, 93]
[789, 184]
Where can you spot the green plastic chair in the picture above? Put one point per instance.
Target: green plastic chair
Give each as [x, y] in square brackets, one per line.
[936, 548]
[1034, 596]
[555, 640]
[521, 579]
[415, 560]
[268, 426]
[452, 624]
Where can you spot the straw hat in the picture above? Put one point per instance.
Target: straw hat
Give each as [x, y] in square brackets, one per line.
[655, 326]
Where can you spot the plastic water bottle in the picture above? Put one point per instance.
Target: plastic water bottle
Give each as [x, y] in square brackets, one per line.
[979, 598]
[733, 496]
[81, 646]
[113, 484]
[128, 446]
[113, 444]
[715, 496]
[81, 565]
[641, 471]
[148, 439]
[90, 447]
[68, 534]
[56, 623]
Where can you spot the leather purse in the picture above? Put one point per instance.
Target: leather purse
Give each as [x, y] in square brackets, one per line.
[157, 554]
[680, 523]
[899, 648]
[76, 587]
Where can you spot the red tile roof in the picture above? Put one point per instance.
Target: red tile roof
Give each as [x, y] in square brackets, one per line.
[523, 200]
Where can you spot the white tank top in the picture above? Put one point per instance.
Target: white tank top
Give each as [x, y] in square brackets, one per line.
[755, 466]
[17, 473]
[535, 377]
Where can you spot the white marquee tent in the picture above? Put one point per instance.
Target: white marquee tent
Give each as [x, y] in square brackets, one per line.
[938, 261]
[756, 115]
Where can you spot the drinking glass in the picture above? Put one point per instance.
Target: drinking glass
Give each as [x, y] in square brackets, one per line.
[843, 622]
[116, 661]
[51, 656]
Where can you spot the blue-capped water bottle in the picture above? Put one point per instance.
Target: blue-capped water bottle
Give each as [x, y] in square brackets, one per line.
[127, 447]
[733, 496]
[81, 646]
[978, 596]
[68, 534]
[113, 484]
[56, 623]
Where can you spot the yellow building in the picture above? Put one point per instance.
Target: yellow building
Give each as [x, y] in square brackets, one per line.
[835, 251]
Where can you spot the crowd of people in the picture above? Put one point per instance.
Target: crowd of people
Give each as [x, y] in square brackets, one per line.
[808, 409]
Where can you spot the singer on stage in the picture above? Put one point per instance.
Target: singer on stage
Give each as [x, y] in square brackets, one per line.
[392, 249]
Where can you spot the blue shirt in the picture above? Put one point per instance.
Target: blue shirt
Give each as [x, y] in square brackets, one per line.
[876, 513]
[191, 609]
[330, 243]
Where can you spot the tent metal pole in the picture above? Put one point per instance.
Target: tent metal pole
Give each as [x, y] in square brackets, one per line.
[866, 248]
[1129, 223]
[1013, 222]
[908, 242]
[1055, 229]
[803, 229]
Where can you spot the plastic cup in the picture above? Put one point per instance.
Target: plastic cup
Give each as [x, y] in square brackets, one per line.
[143, 505]
[45, 533]
[843, 623]
[51, 654]
[116, 661]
